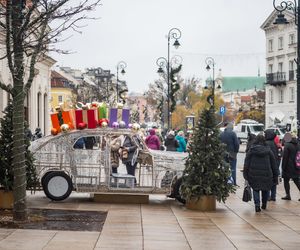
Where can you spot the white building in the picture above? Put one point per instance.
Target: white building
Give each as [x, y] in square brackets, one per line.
[281, 47]
[37, 102]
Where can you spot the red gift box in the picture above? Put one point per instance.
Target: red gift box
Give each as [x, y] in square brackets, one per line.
[91, 118]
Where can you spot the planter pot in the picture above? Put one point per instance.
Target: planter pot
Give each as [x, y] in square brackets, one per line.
[6, 199]
[203, 203]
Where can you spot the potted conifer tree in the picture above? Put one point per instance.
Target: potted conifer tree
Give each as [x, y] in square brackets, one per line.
[206, 174]
[6, 168]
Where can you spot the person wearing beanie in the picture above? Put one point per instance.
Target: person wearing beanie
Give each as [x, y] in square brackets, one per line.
[182, 142]
[171, 143]
[152, 141]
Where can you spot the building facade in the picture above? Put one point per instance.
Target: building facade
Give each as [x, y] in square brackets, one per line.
[37, 102]
[281, 47]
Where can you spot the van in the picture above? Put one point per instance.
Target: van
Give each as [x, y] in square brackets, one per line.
[247, 126]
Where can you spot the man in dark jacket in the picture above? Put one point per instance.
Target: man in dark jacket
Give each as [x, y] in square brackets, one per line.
[270, 141]
[288, 166]
[232, 146]
[171, 143]
[260, 171]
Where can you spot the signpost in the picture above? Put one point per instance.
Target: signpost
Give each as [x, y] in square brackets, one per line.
[190, 123]
[222, 110]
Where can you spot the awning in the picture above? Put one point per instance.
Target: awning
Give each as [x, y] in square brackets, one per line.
[277, 115]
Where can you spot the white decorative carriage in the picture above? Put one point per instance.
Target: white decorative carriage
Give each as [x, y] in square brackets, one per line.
[63, 168]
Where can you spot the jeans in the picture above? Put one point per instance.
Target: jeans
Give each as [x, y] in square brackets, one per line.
[233, 169]
[131, 169]
[256, 197]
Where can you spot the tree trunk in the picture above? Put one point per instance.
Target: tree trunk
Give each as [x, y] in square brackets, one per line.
[19, 167]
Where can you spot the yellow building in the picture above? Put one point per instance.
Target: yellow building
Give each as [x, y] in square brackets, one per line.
[62, 91]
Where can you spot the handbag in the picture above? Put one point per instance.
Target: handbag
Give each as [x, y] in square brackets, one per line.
[247, 194]
[123, 152]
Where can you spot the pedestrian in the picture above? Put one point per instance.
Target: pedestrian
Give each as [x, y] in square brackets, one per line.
[115, 145]
[270, 141]
[171, 143]
[229, 138]
[260, 171]
[182, 144]
[129, 161]
[251, 138]
[152, 141]
[288, 164]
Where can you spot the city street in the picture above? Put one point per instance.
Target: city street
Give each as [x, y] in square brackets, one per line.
[166, 224]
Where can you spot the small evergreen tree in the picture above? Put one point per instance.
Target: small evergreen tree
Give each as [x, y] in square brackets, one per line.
[6, 144]
[206, 171]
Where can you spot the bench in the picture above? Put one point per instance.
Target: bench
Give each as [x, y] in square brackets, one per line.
[122, 180]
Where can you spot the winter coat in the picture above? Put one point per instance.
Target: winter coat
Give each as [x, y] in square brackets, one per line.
[171, 143]
[115, 145]
[131, 147]
[152, 141]
[228, 137]
[288, 159]
[270, 141]
[182, 143]
[260, 168]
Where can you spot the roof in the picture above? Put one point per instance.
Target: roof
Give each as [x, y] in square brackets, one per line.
[237, 83]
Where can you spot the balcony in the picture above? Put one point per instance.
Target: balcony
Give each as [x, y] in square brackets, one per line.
[276, 79]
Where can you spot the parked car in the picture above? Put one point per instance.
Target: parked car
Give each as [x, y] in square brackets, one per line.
[65, 164]
[247, 126]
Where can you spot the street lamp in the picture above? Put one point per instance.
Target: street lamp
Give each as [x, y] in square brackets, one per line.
[210, 63]
[174, 34]
[163, 66]
[120, 66]
[292, 6]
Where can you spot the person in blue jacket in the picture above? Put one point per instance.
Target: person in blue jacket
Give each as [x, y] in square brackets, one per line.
[182, 143]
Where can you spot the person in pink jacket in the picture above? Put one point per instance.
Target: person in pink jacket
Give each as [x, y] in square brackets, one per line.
[152, 141]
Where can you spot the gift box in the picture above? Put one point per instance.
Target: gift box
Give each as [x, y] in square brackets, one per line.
[92, 116]
[78, 117]
[55, 121]
[68, 118]
[102, 111]
[119, 114]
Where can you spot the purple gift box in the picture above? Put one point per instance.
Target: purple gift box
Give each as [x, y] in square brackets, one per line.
[119, 114]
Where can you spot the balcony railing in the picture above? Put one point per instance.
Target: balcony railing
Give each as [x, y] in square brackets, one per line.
[276, 79]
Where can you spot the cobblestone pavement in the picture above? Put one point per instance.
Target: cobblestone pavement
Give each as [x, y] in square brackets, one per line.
[165, 224]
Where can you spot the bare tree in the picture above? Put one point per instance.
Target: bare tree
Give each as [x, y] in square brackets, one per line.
[31, 29]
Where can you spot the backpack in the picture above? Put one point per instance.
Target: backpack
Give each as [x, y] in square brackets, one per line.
[297, 159]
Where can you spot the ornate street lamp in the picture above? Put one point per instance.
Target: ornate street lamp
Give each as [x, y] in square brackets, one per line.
[120, 66]
[165, 65]
[210, 63]
[292, 6]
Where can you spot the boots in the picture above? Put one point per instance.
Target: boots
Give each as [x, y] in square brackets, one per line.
[287, 197]
[257, 209]
[264, 206]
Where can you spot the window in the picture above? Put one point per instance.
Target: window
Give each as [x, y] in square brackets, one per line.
[270, 68]
[280, 67]
[60, 98]
[291, 38]
[280, 43]
[292, 94]
[88, 142]
[243, 128]
[271, 98]
[291, 65]
[270, 45]
[281, 95]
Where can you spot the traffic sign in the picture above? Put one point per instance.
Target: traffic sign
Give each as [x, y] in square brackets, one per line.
[222, 110]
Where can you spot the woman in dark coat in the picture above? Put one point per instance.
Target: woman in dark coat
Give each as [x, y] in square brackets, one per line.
[130, 146]
[288, 166]
[171, 143]
[270, 141]
[260, 170]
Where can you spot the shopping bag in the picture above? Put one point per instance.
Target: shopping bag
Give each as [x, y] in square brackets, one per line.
[247, 195]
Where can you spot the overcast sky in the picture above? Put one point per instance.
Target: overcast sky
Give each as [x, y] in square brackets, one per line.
[135, 31]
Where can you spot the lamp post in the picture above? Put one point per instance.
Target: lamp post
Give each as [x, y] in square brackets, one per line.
[210, 62]
[174, 34]
[120, 66]
[292, 6]
[162, 63]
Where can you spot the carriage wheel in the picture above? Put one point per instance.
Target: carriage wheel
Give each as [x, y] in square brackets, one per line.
[57, 185]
